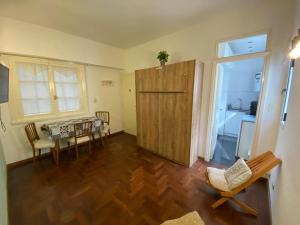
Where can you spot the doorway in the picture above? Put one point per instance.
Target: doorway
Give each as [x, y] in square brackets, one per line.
[238, 86]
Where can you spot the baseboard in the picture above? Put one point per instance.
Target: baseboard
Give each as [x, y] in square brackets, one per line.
[202, 158]
[116, 133]
[23, 162]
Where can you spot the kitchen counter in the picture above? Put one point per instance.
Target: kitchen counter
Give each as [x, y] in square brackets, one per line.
[249, 118]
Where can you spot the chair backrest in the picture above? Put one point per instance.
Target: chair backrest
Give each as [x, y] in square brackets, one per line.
[262, 164]
[104, 115]
[259, 166]
[31, 133]
[83, 129]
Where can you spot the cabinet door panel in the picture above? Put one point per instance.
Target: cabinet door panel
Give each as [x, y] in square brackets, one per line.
[147, 80]
[175, 77]
[147, 120]
[174, 127]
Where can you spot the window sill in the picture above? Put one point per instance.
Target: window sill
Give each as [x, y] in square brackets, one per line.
[49, 118]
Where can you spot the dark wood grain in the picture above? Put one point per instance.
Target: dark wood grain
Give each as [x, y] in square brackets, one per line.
[121, 184]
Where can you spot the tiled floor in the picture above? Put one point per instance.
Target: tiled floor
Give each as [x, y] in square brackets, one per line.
[225, 150]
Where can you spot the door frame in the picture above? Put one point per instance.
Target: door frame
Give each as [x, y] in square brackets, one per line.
[213, 96]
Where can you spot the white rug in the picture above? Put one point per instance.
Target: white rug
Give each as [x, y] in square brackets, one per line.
[192, 218]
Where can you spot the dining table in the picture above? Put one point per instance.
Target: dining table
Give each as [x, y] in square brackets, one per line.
[62, 130]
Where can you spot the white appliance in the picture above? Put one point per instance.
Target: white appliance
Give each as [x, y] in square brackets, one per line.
[246, 137]
[233, 121]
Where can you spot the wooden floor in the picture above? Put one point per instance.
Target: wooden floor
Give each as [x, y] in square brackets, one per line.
[121, 184]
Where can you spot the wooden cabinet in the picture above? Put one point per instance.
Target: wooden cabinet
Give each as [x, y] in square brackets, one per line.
[147, 80]
[148, 126]
[168, 110]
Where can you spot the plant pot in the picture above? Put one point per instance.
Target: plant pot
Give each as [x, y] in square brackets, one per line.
[162, 62]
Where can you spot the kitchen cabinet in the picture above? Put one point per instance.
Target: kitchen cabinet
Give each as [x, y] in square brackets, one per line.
[233, 119]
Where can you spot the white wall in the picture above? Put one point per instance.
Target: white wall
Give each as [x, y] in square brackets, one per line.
[3, 187]
[285, 198]
[199, 42]
[105, 98]
[241, 81]
[129, 103]
[28, 39]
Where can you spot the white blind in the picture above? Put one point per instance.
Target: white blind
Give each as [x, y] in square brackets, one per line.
[67, 89]
[34, 88]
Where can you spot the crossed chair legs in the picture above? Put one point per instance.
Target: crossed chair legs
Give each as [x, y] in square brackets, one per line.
[243, 205]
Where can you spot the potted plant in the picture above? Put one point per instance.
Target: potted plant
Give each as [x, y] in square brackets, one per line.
[163, 57]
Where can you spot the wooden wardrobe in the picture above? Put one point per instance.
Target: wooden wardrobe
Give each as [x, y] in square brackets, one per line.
[168, 110]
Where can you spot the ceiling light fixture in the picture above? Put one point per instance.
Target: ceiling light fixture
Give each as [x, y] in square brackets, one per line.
[295, 52]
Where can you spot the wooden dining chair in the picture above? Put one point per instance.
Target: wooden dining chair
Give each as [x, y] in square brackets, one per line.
[104, 116]
[38, 143]
[259, 166]
[82, 135]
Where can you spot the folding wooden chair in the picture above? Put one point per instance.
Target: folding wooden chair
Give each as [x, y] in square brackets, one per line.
[259, 167]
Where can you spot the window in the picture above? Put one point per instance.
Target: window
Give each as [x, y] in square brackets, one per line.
[43, 89]
[67, 89]
[34, 88]
[243, 46]
[287, 91]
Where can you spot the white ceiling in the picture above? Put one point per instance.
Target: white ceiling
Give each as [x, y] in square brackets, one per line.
[121, 23]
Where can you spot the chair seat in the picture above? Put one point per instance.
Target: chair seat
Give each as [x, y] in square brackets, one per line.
[105, 129]
[43, 143]
[217, 178]
[96, 135]
[79, 140]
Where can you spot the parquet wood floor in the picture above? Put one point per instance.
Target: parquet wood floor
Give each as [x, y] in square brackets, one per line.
[121, 185]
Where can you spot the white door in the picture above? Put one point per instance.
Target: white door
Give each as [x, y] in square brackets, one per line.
[221, 105]
[230, 125]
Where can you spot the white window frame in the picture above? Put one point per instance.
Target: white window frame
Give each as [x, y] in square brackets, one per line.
[15, 102]
[287, 91]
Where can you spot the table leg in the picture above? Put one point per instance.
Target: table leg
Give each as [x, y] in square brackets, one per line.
[57, 149]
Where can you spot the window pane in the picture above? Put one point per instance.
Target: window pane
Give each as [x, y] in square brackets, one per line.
[287, 91]
[34, 107]
[243, 46]
[65, 75]
[67, 89]
[34, 88]
[32, 72]
[65, 104]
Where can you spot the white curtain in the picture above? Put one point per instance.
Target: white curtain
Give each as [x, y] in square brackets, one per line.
[67, 89]
[34, 88]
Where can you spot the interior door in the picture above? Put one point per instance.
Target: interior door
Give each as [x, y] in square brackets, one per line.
[219, 114]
